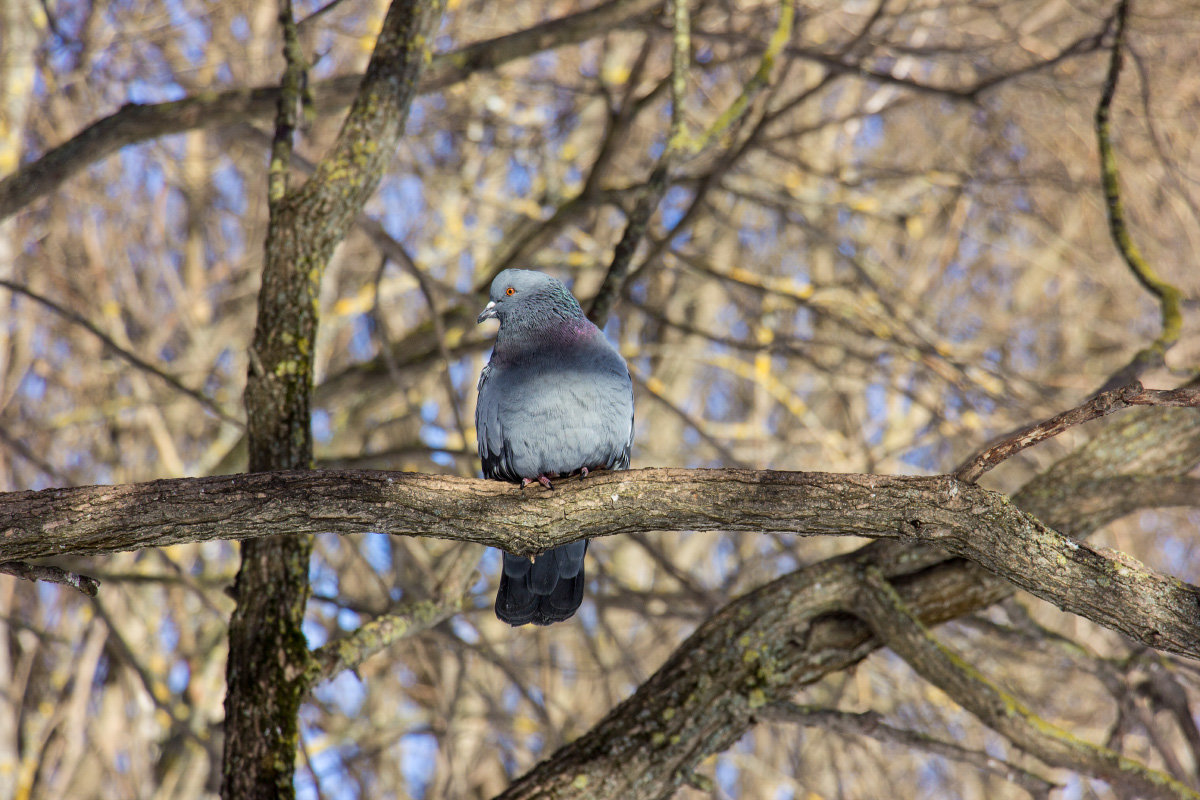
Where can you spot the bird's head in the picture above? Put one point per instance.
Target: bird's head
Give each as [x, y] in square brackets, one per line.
[526, 297]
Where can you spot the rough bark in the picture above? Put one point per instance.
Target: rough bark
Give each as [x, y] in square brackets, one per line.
[267, 674]
[960, 518]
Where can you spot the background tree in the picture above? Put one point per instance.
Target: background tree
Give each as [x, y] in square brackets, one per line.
[860, 238]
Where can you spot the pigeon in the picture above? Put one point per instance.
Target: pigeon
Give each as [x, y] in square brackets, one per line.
[555, 399]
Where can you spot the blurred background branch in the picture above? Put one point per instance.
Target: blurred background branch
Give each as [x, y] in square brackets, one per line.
[1169, 297]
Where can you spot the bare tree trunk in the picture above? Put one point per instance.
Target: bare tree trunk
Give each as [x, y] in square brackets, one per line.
[268, 669]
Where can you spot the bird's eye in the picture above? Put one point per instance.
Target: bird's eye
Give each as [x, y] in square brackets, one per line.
[510, 291]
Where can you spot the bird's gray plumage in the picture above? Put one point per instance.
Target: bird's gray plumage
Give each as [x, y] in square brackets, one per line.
[555, 399]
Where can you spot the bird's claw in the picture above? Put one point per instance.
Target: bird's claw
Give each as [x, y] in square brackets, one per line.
[542, 479]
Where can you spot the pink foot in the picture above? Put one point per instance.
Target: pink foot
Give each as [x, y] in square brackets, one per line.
[542, 479]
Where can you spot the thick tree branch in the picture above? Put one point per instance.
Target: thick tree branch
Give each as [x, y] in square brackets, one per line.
[1106, 587]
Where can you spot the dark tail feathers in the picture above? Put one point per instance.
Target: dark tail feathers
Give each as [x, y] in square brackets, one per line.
[546, 590]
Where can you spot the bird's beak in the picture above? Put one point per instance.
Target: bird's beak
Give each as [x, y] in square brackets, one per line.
[489, 312]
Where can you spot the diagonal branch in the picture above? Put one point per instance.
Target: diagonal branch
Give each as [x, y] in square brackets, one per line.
[761, 78]
[650, 195]
[405, 619]
[871, 724]
[1102, 404]
[885, 611]
[134, 359]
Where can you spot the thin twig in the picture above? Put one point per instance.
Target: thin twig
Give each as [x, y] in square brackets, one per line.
[406, 618]
[136, 361]
[134, 123]
[1169, 297]
[657, 391]
[425, 285]
[762, 76]
[385, 337]
[1121, 389]
[287, 113]
[179, 713]
[43, 572]
[1102, 404]
[24, 451]
[678, 144]
[305, 24]
[652, 193]
[871, 724]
